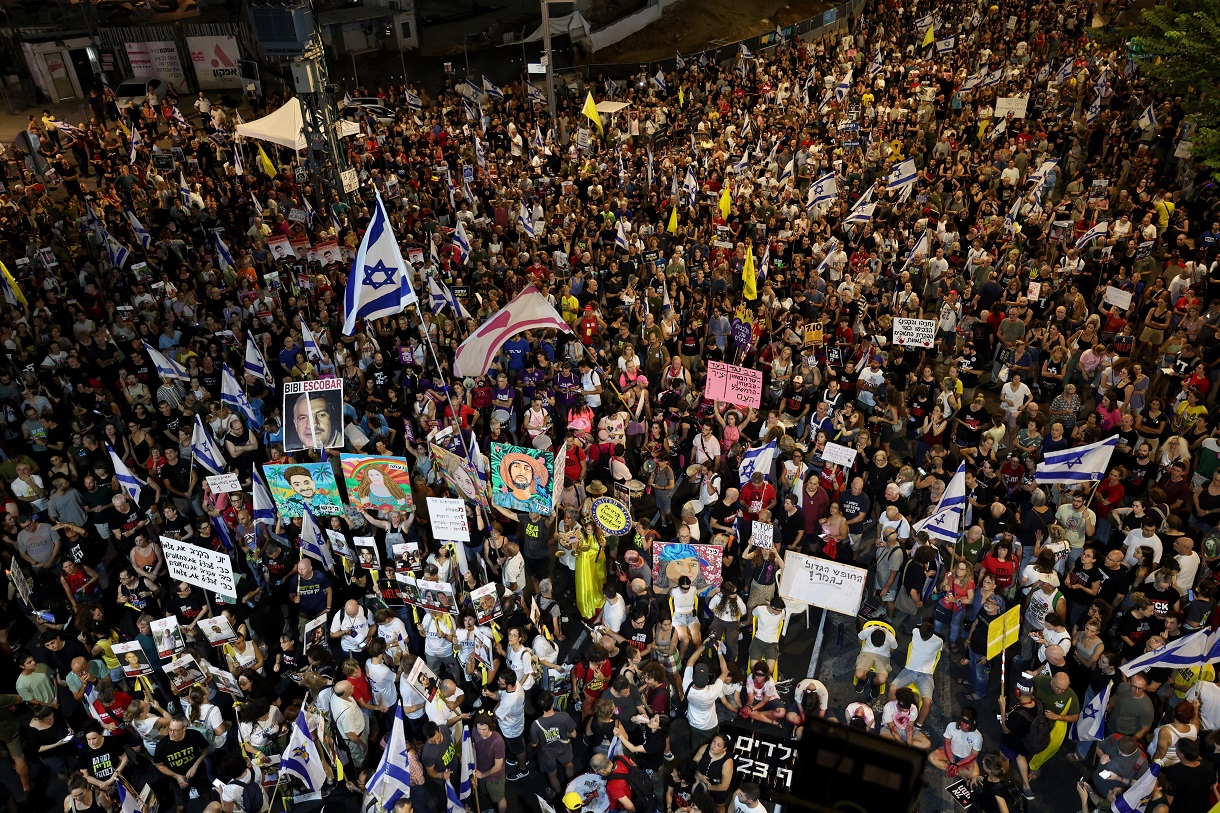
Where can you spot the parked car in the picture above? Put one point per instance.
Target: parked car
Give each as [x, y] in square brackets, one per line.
[135, 91]
[359, 109]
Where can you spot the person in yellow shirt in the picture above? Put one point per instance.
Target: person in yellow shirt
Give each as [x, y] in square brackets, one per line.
[1163, 206]
[569, 306]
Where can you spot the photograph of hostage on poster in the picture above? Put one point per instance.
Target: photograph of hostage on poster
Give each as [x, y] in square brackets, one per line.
[378, 483]
[294, 485]
[522, 479]
[313, 414]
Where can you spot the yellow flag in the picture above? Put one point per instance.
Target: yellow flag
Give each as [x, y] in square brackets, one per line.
[725, 201]
[126, 131]
[929, 36]
[672, 228]
[590, 112]
[12, 284]
[681, 97]
[750, 282]
[268, 167]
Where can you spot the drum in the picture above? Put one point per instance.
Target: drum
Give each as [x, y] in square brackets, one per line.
[592, 788]
[542, 442]
[500, 416]
[635, 488]
[694, 472]
[787, 421]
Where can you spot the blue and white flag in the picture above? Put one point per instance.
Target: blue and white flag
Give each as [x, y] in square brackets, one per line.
[1064, 73]
[1090, 726]
[441, 295]
[256, 365]
[902, 174]
[1043, 172]
[181, 119]
[310, 213]
[648, 175]
[534, 93]
[309, 342]
[479, 156]
[998, 130]
[1135, 798]
[1044, 75]
[466, 786]
[301, 758]
[620, 236]
[1094, 110]
[823, 189]
[525, 220]
[116, 252]
[826, 251]
[1098, 231]
[861, 214]
[131, 484]
[994, 77]
[264, 503]
[128, 801]
[184, 191]
[946, 45]
[745, 52]
[844, 86]
[877, 64]
[224, 257]
[679, 62]
[972, 82]
[691, 187]
[414, 102]
[166, 367]
[757, 460]
[436, 299]
[1080, 464]
[920, 249]
[1147, 119]
[492, 89]
[453, 802]
[136, 143]
[945, 521]
[379, 284]
[234, 396]
[392, 779]
[138, 229]
[921, 24]
[461, 240]
[205, 450]
[1189, 650]
[612, 88]
[313, 543]
[659, 80]
[788, 171]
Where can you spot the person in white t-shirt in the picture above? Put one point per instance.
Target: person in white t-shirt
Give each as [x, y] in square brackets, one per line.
[922, 655]
[768, 627]
[898, 720]
[352, 626]
[702, 696]
[963, 742]
[234, 772]
[877, 644]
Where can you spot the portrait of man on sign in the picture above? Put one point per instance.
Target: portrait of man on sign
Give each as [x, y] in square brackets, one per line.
[315, 420]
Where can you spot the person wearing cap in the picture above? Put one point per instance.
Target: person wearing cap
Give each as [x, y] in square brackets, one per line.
[1078, 521]
[702, 696]
[1044, 599]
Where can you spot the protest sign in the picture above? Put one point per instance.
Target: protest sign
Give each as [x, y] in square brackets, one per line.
[823, 583]
[449, 519]
[1016, 105]
[737, 385]
[1035, 290]
[378, 483]
[313, 414]
[202, 567]
[814, 333]
[522, 479]
[612, 516]
[845, 456]
[223, 483]
[1117, 296]
[294, 485]
[762, 535]
[1003, 632]
[916, 332]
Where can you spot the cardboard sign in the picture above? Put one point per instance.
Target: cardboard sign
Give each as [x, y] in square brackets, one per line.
[223, 483]
[201, 567]
[961, 793]
[845, 456]
[762, 757]
[1003, 632]
[916, 332]
[737, 385]
[762, 535]
[814, 333]
[1117, 296]
[1015, 105]
[449, 519]
[823, 583]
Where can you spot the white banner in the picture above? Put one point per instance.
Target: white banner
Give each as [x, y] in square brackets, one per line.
[762, 535]
[199, 566]
[822, 583]
[449, 519]
[1117, 296]
[223, 483]
[917, 332]
[156, 60]
[1016, 105]
[845, 456]
[215, 61]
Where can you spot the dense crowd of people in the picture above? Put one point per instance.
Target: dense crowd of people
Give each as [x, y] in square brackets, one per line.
[1066, 250]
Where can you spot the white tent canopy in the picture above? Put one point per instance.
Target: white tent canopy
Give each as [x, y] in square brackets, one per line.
[286, 127]
[573, 24]
[612, 107]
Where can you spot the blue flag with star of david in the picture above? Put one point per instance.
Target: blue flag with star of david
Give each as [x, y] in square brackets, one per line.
[378, 285]
[1080, 464]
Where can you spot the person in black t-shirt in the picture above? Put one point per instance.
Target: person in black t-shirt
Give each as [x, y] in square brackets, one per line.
[188, 604]
[100, 758]
[180, 757]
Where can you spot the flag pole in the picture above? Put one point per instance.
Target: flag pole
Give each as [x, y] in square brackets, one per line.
[440, 371]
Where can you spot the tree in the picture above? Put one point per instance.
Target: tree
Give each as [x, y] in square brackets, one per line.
[1179, 45]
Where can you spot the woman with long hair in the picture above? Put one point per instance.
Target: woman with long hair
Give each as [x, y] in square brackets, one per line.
[590, 569]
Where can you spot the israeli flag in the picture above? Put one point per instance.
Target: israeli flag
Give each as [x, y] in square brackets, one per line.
[757, 460]
[264, 504]
[128, 802]
[313, 544]
[946, 45]
[1135, 798]
[827, 250]
[166, 367]
[876, 65]
[258, 207]
[441, 295]
[945, 521]
[972, 82]
[1189, 650]
[539, 144]
[204, 449]
[844, 86]
[309, 211]
[131, 484]
[823, 189]
[301, 758]
[998, 130]
[461, 240]
[436, 299]
[994, 77]
[691, 187]
[861, 214]
[902, 175]
[136, 143]
[1064, 73]
[1147, 119]
[138, 229]
[466, 786]
[224, 257]
[648, 176]
[745, 52]
[1080, 464]
[413, 101]
[923, 22]
[612, 88]
[347, 101]
[232, 395]
[525, 219]
[492, 90]
[679, 62]
[453, 802]
[256, 365]
[787, 171]
[1044, 74]
[740, 166]
[920, 250]
[313, 350]
[1098, 231]
[620, 236]
[659, 79]
[116, 252]
[478, 153]
[1091, 725]
[1043, 172]
[1094, 110]
[184, 191]
[181, 119]
[378, 285]
[534, 93]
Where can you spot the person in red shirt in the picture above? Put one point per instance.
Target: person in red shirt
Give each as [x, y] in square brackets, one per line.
[756, 496]
[589, 679]
[1109, 495]
[614, 771]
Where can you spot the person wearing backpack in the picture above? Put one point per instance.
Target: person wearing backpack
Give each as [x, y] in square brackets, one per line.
[628, 787]
[1026, 733]
[242, 790]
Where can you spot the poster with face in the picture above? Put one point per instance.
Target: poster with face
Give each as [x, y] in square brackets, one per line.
[315, 633]
[294, 485]
[325, 253]
[300, 247]
[226, 682]
[673, 560]
[132, 658]
[377, 483]
[423, 679]
[435, 596]
[313, 413]
[280, 248]
[460, 475]
[522, 479]
[167, 636]
[217, 630]
[366, 553]
[486, 603]
[183, 672]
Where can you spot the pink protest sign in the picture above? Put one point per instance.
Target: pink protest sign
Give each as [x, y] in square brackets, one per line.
[737, 385]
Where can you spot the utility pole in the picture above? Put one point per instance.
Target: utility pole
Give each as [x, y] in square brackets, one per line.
[549, 58]
[320, 123]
